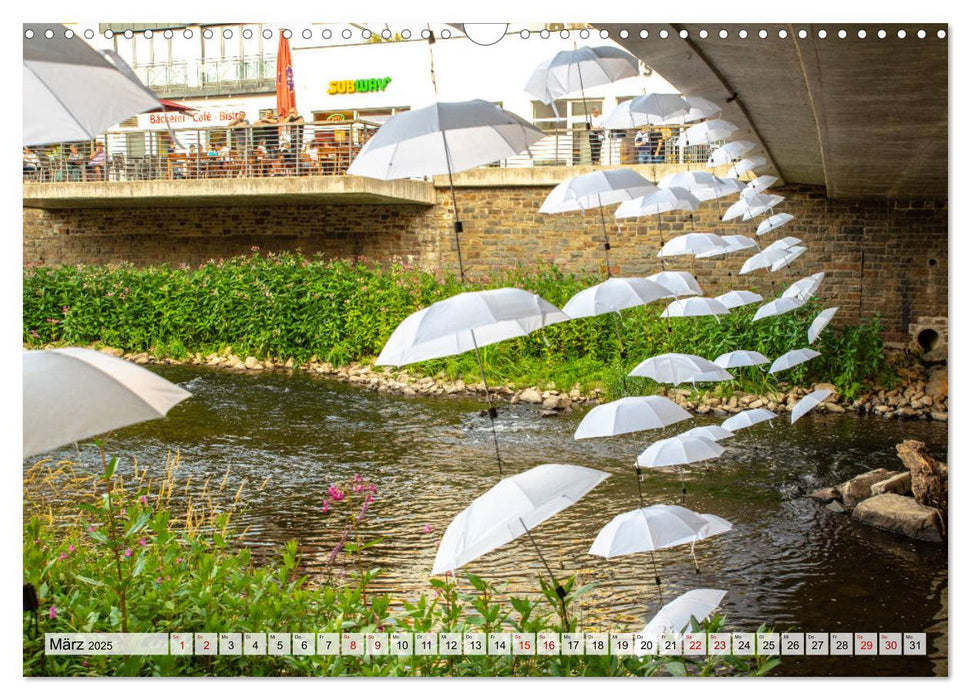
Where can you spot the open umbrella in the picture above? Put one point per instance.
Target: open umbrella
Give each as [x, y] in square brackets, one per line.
[664, 200]
[751, 201]
[806, 287]
[676, 616]
[784, 244]
[763, 182]
[735, 299]
[791, 254]
[808, 403]
[772, 223]
[820, 322]
[733, 244]
[773, 200]
[729, 152]
[706, 133]
[628, 415]
[690, 179]
[74, 393]
[444, 137]
[746, 165]
[777, 307]
[679, 450]
[694, 306]
[614, 295]
[691, 244]
[760, 260]
[712, 432]
[678, 282]
[791, 359]
[741, 358]
[575, 71]
[73, 93]
[659, 109]
[677, 368]
[746, 419]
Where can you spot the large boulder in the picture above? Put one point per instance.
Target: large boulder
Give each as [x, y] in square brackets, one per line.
[858, 488]
[899, 483]
[903, 515]
[530, 395]
[928, 476]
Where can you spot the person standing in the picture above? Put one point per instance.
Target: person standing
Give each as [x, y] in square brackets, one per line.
[296, 138]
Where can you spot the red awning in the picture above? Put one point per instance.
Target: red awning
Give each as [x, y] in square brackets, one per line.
[170, 106]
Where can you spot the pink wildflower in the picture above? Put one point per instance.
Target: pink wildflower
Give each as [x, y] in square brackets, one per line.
[325, 508]
[142, 542]
[70, 548]
[90, 528]
[143, 500]
[426, 528]
[128, 552]
[52, 612]
[335, 493]
[63, 556]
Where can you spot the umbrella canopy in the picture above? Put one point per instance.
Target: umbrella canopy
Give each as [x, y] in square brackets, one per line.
[580, 69]
[777, 307]
[733, 244]
[679, 450]
[677, 615]
[791, 254]
[73, 93]
[596, 189]
[509, 509]
[746, 419]
[820, 322]
[808, 403]
[741, 358]
[650, 529]
[706, 133]
[763, 182]
[659, 109]
[679, 283]
[784, 244]
[694, 306]
[735, 299]
[689, 179]
[659, 202]
[286, 96]
[772, 200]
[615, 294]
[791, 359]
[629, 415]
[441, 138]
[806, 287]
[74, 393]
[678, 368]
[729, 152]
[723, 188]
[464, 321]
[750, 201]
[763, 259]
[746, 165]
[772, 223]
[712, 432]
[691, 244]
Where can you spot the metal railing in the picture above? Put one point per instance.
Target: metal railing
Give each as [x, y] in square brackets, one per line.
[321, 148]
[210, 76]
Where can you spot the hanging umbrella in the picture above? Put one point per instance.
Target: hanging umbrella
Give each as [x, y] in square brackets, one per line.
[664, 200]
[679, 450]
[74, 393]
[444, 138]
[659, 109]
[614, 295]
[650, 529]
[772, 201]
[679, 283]
[711, 432]
[751, 201]
[628, 415]
[820, 322]
[689, 179]
[694, 306]
[735, 299]
[746, 419]
[746, 165]
[691, 244]
[741, 358]
[777, 307]
[791, 254]
[791, 359]
[729, 152]
[806, 287]
[772, 223]
[808, 403]
[762, 183]
[575, 71]
[706, 133]
[677, 616]
[784, 244]
[678, 368]
[733, 244]
[73, 93]
[763, 259]
[723, 188]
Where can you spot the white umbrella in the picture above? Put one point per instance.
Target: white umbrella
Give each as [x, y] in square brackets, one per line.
[749, 201]
[729, 152]
[712, 432]
[596, 189]
[691, 244]
[784, 244]
[741, 358]
[773, 200]
[820, 322]
[74, 393]
[572, 71]
[733, 244]
[73, 93]
[679, 283]
[664, 200]
[694, 306]
[678, 368]
[511, 508]
[735, 299]
[805, 287]
[628, 415]
[678, 450]
[723, 188]
[746, 165]
[763, 182]
[808, 403]
[676, 616]
[746, 419]
[659, 109]
[614, 295]
[765, 258]
[777, 307]
[791, 359]
[650, 529]
[773, 222]
[791, 254]
[706, 133]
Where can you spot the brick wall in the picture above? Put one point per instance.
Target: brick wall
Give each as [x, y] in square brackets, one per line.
[880, 256]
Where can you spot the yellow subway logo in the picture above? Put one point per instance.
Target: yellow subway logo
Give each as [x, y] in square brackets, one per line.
[349, 87]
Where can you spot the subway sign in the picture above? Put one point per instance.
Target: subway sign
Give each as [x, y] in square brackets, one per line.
[349, 87]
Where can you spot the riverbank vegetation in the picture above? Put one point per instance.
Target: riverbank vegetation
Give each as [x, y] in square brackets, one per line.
[341, 311]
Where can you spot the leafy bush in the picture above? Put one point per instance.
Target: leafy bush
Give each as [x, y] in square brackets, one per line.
[341, 311]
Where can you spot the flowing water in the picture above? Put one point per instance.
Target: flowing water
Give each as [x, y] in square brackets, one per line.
[788, 562]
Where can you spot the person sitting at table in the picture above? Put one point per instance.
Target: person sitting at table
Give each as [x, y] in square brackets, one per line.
[267, 131]
[278, 166]
[75, 163]
[97, 166]
[310, 158]
[31, 164]
[260, 158]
